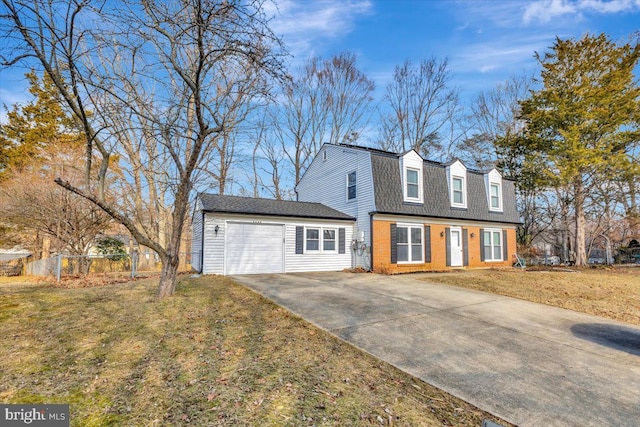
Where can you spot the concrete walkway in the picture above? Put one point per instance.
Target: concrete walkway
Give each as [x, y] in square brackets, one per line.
[530, 364]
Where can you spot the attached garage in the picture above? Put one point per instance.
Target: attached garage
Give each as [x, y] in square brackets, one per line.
[242, 235]
[254, 248]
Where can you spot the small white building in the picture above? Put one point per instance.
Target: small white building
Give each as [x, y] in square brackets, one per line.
[243, 235]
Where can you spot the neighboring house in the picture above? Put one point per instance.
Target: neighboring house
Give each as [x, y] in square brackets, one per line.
[243, 235]
[413, 214]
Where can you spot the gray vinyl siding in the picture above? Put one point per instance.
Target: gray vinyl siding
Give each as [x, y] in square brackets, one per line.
[325, 181]
[214, 247]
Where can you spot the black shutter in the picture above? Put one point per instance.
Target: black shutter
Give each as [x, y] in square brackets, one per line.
[447, 240]
[341, 248]
[299, 240]
[465, 247]
[482, 244]
[394, 244]
[427, 243]
[505, 250]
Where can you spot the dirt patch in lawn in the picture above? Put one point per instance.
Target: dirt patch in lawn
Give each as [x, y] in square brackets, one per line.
[608, 292]
[214, 354]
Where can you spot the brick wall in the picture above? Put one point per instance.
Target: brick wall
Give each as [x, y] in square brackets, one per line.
[382, 249]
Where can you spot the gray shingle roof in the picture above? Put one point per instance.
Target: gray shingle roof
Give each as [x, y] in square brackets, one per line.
[389, 196]
[248, 205]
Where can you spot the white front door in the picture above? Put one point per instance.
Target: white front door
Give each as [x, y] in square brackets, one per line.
[456, 246]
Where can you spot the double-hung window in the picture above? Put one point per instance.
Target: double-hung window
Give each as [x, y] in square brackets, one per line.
[495, 196]
[413, 186]
[312, 241]
[329, 240]
[320, 240]
[351, 186]
[492, 245]
[409, 243]
[458, 190]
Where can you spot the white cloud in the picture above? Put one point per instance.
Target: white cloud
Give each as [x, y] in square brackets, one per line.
[498, 54]
[613, 6]
[305, 24]
[544, 11]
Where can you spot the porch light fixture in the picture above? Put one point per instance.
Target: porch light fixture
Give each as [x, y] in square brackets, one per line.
[473, 235]
[216, 229]
[442, 234]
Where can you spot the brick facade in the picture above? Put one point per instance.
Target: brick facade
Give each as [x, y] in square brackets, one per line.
[382, 248]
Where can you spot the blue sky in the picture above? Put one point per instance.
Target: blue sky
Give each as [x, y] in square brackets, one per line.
[485, 41]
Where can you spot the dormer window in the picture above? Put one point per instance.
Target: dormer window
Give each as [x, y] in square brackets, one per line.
[458, 190]
[493, 182]
[495, 196]
[413, 186]
[457, 181]
[411, 169]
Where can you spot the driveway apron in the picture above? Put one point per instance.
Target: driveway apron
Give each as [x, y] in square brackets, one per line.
[528, 363]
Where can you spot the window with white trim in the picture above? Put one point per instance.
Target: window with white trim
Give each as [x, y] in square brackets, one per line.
[351, 185]
[319, 239]
[312, 240]
[411, 175]
[409, 243]
[413, 183]
[492, 245]
[495, 196]
[329, 239]
[457, 191]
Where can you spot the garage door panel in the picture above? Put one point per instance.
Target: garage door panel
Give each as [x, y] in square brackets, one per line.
[254, 248]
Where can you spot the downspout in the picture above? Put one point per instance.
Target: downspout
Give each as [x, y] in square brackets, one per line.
[371, 214]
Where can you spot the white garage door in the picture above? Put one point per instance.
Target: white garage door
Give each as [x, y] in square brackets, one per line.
[254, 248]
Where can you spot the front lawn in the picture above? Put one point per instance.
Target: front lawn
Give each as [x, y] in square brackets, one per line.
[214, 354]
[608, 292]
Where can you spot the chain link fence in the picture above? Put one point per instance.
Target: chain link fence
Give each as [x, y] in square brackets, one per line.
[133, 264]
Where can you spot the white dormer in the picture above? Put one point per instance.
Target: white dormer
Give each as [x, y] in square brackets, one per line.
[493, 186]
[411, 172]
[457, 183]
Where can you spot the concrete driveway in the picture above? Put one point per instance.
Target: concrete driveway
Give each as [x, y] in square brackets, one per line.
[530, 364]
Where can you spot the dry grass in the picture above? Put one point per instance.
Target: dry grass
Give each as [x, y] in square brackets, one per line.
[214, 354]
[608, 292]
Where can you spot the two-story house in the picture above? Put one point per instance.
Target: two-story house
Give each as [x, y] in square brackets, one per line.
[362, 207]
[413, 214]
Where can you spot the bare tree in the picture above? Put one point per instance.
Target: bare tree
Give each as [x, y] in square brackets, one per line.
[348, 97]
[494, 115]
[44, 209]
[155, 76]
[422, 104]
[328, 101]
[268, 164]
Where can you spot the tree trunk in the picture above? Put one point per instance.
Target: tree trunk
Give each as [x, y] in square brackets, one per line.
[171, 257]
[580, 243]
[169, 275]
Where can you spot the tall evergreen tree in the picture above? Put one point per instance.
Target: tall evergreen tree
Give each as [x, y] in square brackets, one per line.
[30, 128]
[583, 125]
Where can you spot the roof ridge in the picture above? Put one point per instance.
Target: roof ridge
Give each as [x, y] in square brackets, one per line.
[223, 203]
[257, 198]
